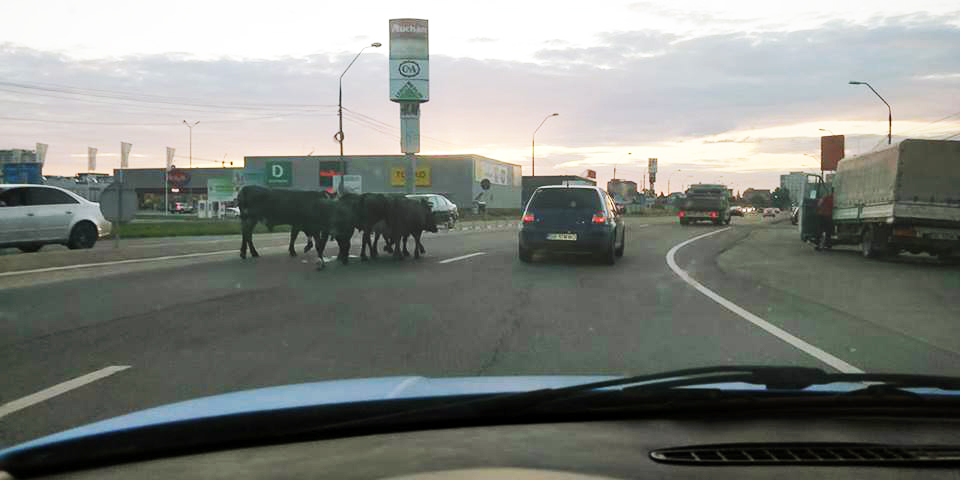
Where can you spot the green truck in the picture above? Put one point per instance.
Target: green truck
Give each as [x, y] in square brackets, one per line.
[905, 198]
[705, 202]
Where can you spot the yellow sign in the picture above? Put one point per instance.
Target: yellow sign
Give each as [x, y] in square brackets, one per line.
[398, 176]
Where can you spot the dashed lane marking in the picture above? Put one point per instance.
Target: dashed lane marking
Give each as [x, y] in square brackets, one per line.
[59, 389]
[462, 257]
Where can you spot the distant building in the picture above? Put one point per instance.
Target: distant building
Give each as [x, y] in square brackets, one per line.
[757, 195]
[623, 191]
[793, 183]
[87, 185]
[20, 166]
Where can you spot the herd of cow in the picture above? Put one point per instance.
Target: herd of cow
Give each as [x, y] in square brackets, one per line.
[321, 215]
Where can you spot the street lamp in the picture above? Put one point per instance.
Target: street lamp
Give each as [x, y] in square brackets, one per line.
[828, 131]
[190, 127]
[889, 110]
[339, 135]
[533, 146]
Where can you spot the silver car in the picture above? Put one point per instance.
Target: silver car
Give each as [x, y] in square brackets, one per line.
[444, 211]
[32, 216]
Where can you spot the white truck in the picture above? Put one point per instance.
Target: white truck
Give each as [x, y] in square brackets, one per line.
[902, 198]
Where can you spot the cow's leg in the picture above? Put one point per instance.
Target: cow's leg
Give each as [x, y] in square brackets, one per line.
[321, 263]
[344, 254]
[406, 253]
[294, 232]
[248, 226]
[397, 252]
[243, 238]
[364, 240]
[309, 245]
[417, 247]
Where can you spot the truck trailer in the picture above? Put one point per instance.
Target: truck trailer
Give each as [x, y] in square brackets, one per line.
[905, 198]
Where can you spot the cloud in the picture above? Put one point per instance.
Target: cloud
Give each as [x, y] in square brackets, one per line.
[747, 101]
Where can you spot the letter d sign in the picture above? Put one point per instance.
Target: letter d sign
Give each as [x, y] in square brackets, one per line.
[279, 174]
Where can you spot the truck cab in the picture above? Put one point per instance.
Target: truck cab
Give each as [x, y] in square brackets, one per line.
[705, 202]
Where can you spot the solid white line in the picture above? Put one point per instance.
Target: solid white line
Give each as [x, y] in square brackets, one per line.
[462, 257]
[58, 389]
[116, 262]
[763, 324]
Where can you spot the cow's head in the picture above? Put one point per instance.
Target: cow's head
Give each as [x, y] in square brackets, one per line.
[430, 224]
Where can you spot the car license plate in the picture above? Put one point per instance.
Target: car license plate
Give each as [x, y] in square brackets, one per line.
[562, 236]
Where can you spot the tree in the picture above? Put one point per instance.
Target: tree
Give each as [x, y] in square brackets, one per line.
[758, 200]
[781, 198]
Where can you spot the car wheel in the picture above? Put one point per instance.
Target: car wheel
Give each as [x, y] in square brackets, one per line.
[30, 248]
[526, 256]
[609, 255]
[83, 235]
[623, 243]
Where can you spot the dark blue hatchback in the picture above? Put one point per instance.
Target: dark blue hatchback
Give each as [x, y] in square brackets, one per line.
[572, 219]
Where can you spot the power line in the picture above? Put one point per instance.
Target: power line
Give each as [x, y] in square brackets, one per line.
[923, 127]
[387, 125]
[50, 92]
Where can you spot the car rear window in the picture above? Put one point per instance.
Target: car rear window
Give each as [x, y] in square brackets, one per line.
[573, 198]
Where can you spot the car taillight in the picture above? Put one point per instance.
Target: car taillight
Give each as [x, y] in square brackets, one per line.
[713, 214]
[681, 214]
[529, 218]
[599, 217]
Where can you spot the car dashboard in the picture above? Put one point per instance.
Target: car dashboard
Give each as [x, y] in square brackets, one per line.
[600, 449]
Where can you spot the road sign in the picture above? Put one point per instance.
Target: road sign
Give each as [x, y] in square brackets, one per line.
[409, 60]
[221, 189]
[118, 206]
[178, 178]
[279, 174]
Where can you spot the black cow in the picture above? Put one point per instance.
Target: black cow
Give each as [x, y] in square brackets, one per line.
[276, 207]
[410, 217]
[337, 219]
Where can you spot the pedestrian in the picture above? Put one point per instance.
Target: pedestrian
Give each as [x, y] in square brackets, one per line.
[825, 220]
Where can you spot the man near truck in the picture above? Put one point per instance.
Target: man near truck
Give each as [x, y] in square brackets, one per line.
[825, 220]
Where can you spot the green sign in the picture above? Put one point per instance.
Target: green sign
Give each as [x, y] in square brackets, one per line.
[279, 174]
[221, 189]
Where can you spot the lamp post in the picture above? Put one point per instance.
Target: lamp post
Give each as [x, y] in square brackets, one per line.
[889, 110]
[826, 130]
[339, 135]
[190, 127]
[533, 146]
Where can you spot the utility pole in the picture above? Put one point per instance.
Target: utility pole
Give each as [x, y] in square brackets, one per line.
[190, 127]
[889, 110]
[533, 145]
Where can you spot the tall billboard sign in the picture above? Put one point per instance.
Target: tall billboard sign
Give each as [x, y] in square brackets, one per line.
[831, 151]
[409, 60]
[409, 84]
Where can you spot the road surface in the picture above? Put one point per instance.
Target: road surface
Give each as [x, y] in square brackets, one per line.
[86, 335]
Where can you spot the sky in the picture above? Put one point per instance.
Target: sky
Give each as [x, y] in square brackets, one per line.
[735, 92]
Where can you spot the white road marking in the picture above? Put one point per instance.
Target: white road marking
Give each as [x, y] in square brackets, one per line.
[778, 332]
[116, 262]
[58, 389]
[462, 257]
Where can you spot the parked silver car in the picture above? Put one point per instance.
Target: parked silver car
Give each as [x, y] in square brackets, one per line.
[444, 211]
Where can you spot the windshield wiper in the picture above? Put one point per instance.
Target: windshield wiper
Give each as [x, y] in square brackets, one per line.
[784, 379]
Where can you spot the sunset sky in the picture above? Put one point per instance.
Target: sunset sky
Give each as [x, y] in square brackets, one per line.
[732, 91]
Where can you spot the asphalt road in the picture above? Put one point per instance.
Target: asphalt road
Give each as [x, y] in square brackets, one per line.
[189, 318]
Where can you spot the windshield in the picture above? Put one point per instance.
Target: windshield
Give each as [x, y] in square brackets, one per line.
[617, 188]
[573, 199]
